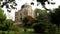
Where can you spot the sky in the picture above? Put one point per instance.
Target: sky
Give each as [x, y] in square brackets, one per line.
[21, 2]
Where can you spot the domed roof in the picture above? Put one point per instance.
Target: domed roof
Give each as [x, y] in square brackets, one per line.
[25, 5]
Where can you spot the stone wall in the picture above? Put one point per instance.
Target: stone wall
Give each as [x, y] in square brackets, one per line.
[26, 10]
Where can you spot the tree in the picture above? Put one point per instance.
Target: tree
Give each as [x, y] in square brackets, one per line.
[5, 24]
[39, 28]
[8, 24]
[43, 16]
[52, 28]
[43, 21]
[25, 21]
[43, 3]
[55, 17]
[9, 4]
[44, 24]
[2, 16]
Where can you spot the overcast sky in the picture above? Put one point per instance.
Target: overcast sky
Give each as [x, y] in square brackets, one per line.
[21, 2]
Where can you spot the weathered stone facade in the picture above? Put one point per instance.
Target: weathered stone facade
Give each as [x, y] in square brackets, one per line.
[26, 10]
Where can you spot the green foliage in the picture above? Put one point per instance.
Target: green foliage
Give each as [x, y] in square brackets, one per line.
[55, 17]
[42, 21]
[15, 28]
[25, 19]
[39, 28]
[8, 23]
[51, 29]
[5, 24]
[43, 16]
[2, 16]
[44, 24]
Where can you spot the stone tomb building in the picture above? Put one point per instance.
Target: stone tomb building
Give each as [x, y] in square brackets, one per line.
[26, 10]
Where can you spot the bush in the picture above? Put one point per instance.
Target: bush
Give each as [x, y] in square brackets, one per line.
[39, 28]
[6, 25]
[51, 29]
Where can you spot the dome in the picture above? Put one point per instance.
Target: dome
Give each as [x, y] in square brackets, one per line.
[25, 5]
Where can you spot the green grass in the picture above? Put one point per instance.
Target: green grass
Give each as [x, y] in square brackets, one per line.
[12, 32]
[6, 32]
[20, 32]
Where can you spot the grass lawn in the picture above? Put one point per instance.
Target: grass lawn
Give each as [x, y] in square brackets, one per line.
[29, 31]
[6, 32]
[12, 32]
